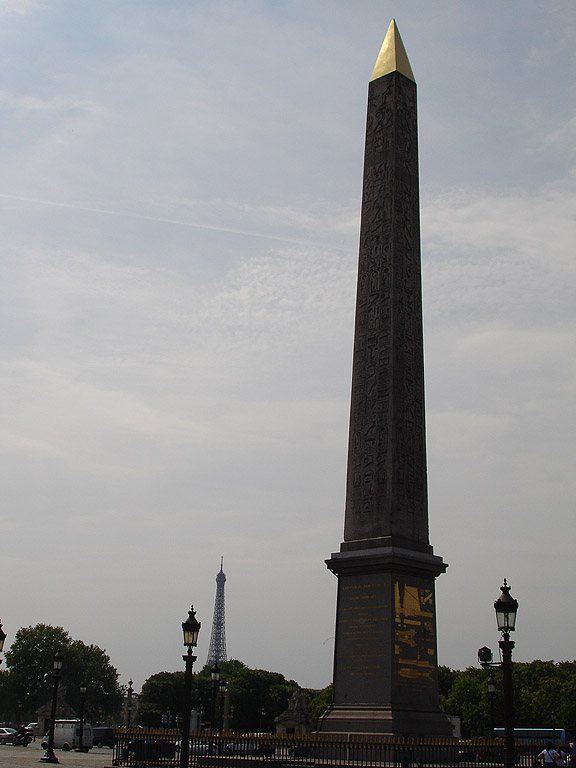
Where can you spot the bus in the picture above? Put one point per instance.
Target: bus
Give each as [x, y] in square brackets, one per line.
[540, 735]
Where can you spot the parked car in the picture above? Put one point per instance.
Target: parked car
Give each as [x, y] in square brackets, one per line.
[149, 749]
[103, 737]
[254, 748]
[200, 748]
[7, 735]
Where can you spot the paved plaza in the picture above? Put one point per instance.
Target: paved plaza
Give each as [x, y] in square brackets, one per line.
[26, 757]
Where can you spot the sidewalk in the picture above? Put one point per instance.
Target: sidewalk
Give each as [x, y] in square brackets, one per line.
[29, 757]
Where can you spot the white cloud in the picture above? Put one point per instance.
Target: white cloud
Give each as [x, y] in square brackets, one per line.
[20, 7]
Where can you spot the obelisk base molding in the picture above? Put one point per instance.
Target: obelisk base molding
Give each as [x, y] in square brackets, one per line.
[382, 721]
[371, 559]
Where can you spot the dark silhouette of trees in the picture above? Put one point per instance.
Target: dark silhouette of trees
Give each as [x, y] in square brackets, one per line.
[256, 696]
[544, 696]
[27, 682]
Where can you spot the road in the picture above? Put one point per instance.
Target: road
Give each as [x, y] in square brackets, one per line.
[29, 757]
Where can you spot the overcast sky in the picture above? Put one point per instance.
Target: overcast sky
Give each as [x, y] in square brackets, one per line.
[180, 188]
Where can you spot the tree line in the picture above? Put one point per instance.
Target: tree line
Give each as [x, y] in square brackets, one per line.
[256, 697]
[544, 696]
[27, 682]
[544, 691]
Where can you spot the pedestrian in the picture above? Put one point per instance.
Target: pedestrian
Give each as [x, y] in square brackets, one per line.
[548, 755]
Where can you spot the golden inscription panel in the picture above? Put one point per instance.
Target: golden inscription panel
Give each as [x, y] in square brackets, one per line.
[414, 634]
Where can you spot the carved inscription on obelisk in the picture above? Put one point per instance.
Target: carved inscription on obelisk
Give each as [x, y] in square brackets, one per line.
[386, 490]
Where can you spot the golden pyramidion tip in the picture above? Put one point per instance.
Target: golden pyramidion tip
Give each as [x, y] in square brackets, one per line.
[392, 56]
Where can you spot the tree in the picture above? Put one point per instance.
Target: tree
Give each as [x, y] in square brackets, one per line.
[8, 697]
[30, 665]
[256, 696]
[91, 665]
[161, 693]
[544, 696]
[446, 679]
[318, 701]
[468, 700]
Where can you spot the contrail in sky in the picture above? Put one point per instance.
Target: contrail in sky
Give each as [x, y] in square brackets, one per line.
[165, 220]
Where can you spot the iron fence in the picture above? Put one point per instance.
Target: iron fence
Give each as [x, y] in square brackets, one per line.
[151, 748]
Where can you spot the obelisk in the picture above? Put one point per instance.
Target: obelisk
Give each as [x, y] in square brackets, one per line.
[385, 664]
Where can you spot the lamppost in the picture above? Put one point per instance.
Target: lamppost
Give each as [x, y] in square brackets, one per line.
[506, 608]
[215, 675]
[226, 711]
[2, 638]
[82, 702]
[190, 630]
[491, 696]
[223, 690]
[129, 703]
[50, 757]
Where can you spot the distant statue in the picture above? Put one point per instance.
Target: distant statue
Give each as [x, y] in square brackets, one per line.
[294, 721]
[297, 701]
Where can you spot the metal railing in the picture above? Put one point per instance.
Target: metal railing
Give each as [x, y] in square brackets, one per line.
[143, 748]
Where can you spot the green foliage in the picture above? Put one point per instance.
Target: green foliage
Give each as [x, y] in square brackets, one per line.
[468, 699]
[28, 680]
[318, 701]
[29, 661]
[256, 696]
[161, 693]
[91, 665]
[544, 696]
[446, 679]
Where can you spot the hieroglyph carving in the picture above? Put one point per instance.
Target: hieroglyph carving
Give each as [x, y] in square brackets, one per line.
[386, 493]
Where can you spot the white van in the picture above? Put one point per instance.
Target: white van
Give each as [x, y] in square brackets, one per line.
[67, 735]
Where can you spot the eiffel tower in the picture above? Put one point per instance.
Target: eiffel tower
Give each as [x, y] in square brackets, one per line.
[217, 650]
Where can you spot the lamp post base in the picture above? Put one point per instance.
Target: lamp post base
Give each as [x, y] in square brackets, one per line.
[49, 758]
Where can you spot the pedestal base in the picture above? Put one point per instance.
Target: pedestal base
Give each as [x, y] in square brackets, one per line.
[385, 668]
[368, 720]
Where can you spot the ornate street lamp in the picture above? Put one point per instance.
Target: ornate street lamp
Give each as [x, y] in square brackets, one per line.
[50, 757]
[2, 638]
[82, 702]
[215, 675]
[129, 703]
[506, 608]
[190, 630]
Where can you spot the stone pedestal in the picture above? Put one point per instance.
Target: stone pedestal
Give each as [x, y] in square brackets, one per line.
[385, 675]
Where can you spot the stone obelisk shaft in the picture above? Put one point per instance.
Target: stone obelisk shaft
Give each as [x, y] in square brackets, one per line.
[386, 501]
[385, 667]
